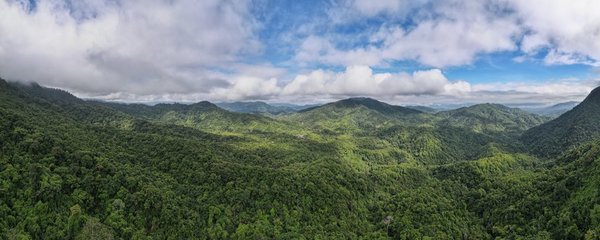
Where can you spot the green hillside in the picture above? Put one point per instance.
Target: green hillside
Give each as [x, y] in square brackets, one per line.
[353, 169]
[259, 107]
[491, 118]
[577, 126]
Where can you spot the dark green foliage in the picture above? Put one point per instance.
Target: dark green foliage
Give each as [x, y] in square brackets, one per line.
[259, 107]
[380, 107]
[554, 110]
[491, 118]
[573, 128]
[354, 169]
[423, 109]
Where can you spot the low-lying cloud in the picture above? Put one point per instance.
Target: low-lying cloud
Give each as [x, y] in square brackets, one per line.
[143, 47]
[186, 50]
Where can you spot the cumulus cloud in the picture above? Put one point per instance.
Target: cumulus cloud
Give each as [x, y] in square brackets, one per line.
[137, 46]
[454, 33]
[418, 87]
[512, 93]
[186, 50]
[569, 28]
[447, 33]
[361, 81]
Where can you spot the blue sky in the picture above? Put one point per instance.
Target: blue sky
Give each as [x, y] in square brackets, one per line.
[399, 51]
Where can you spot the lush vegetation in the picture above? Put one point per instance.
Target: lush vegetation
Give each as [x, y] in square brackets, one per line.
[261, 107]
[354, 169]
[571, 129]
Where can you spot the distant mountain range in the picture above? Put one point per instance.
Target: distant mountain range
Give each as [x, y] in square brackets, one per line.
[285, 108]
[262, 107]
[577, 126]
[551, 111]
[356, 168]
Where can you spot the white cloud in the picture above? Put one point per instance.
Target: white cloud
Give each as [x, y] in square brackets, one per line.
[373, 8]
[317, 49]
[454, 33]
[247, 88]
[556, 88]
[186, 50]
[419, 87]
[567, 27]
[555, 57]
[141, 47]
[361, 81]
[450, 33]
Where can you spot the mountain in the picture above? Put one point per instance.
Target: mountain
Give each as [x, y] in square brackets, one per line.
[294, 107]
[491, 118]
[64, 102]
[372, 104]
[255, 107]
[415, 136]
[203, 115]
[353, 169]
[355, 115]
[577, 126]
[423, 109]
[552, 111]
[160, 176]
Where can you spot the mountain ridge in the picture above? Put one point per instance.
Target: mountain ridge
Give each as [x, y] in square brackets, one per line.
[577, 126]
[376, 105]
[358, 170]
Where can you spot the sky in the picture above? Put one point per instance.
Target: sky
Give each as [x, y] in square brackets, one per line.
[398, 51]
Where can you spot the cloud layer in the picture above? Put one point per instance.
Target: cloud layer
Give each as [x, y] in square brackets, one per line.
[186, 50]
[139, 46]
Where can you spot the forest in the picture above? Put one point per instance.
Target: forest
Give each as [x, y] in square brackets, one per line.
[357, 168]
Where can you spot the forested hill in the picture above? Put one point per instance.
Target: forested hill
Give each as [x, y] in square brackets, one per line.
[201, 115]
[577, 126]
[380, 107]
[353, 169]
[492, 118]
[259, 107]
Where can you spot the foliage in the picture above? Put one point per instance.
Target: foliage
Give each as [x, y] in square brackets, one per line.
[355, 169]
[571, 129]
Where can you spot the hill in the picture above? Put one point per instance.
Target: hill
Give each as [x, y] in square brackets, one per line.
[354, 169]
[372, 104]
[491, 118]
[552, 111]
[255, 107]
[157, 178]
[203, 115]
[355, 115]
[577, 126]
[423, 109]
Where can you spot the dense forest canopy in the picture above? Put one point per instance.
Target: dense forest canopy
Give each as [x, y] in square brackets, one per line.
[353, 169]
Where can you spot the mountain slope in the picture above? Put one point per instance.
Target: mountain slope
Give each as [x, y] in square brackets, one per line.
[202, 115]
[554, 110]
[62, 177]
[491, 118]
[64, 102]
[380, 107]
[354, 169]
[356, 115]
[577, 126]
[255, 107]
[423, 108]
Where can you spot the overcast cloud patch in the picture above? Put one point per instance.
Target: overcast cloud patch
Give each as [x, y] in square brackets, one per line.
[185, 50]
